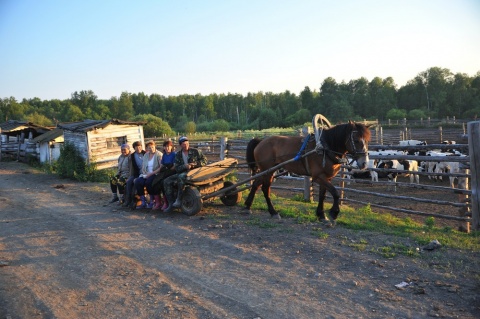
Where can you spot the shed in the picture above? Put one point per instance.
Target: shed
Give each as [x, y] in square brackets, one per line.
[99, 141]
[48, 145]
[16, 138]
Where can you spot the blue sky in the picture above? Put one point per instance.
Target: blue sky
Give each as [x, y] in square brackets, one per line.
[50, 49]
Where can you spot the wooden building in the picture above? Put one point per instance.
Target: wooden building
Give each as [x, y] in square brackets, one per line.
[99, 141]
[16, 138]
[48, 145]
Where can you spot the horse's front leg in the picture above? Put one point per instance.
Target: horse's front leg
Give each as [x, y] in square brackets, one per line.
[321, 199]
[335, 210]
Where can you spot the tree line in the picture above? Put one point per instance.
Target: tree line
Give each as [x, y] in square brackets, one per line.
[434, 93]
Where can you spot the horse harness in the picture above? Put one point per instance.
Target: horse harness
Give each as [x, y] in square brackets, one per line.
[322, 148]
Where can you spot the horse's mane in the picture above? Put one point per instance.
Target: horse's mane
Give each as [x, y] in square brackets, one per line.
[336, 135]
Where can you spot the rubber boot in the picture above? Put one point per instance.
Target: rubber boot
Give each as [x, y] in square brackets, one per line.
[158, 203]
[143, 204]
[178, 202]
[170, 201]
[165, 202]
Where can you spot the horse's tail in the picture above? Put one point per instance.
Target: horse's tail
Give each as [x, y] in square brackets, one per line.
[250, 157]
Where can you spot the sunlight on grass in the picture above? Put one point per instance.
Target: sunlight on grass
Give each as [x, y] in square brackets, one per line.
[365, 219]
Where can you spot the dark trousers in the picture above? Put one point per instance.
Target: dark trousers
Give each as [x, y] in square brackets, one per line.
[141, 182]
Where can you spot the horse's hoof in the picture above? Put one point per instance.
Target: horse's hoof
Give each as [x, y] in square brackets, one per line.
[247, 211]
[276, 216]
[326, 222]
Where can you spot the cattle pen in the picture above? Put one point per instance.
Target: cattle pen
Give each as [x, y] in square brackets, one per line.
[465, 202]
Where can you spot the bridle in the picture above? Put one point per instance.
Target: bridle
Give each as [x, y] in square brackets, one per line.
[355, 153]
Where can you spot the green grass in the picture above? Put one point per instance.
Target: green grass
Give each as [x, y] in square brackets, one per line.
[367, 220]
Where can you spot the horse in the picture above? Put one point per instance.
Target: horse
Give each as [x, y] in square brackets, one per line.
[322, 161]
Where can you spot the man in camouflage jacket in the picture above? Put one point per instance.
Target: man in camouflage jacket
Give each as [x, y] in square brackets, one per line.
[185, 160]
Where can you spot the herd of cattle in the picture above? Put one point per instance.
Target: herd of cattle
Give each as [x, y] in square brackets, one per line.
[390, 169]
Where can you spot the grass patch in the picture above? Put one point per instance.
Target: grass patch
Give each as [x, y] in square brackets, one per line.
[364, 219]
[262, 224]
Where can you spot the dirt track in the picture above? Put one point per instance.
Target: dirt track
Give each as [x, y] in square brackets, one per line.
[65, 254]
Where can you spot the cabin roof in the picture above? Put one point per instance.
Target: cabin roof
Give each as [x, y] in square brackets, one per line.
[12, 126]
[49, 136]
[90, 125]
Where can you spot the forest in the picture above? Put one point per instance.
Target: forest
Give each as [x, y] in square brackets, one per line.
[434, 93]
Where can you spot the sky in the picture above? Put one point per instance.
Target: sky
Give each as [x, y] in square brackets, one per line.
[52, 48]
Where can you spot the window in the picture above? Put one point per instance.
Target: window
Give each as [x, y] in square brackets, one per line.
[116, 142]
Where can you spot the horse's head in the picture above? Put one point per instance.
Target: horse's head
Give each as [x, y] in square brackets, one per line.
[357, 143]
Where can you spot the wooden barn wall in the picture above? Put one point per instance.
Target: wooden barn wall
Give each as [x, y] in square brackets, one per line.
[79, 140]
[105, 157]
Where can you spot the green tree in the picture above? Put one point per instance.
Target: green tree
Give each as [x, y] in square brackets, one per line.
[435, 81]
[396, 114]
[122, 108]
[220, 126]
[416, 114]
[39, 119]
[154, 126]
[12, 110]
[190, 127]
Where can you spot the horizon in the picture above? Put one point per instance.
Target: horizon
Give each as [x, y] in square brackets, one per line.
[52, 49]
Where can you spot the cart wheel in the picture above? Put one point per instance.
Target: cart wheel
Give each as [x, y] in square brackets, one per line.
[231, 198]
[191, 201]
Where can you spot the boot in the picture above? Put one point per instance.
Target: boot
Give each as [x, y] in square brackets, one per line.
[165, 202]
[143, 204]
[150, 204]
[178, 202]
[114, 198]
[170, 201]
[158, 203]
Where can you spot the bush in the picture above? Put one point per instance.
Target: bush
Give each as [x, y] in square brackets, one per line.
[72, 165]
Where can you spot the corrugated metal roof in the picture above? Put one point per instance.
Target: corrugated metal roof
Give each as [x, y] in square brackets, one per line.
[50, 136]
[89, 125]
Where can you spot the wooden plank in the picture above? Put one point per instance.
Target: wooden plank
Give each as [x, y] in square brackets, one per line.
[212, 170]
[474, 152]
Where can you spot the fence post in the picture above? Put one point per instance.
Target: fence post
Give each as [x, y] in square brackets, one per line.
[440, 130]
[307, 180]
[223, 147]
[474, 152]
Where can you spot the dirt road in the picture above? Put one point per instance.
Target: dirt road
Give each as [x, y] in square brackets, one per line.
[64, 253]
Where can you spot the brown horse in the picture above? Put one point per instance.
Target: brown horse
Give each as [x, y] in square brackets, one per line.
[322, 161]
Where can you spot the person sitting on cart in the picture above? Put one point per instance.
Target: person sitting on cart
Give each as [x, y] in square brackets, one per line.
[136, 160]
[168, 169]
[151, 166]
[117, 182]
[185, 160]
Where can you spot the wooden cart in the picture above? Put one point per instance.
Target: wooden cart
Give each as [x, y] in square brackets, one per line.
[204, 181]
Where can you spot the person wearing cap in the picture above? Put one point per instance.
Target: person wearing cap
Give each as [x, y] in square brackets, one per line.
[185, 160]
[136, 160]
[117, 182]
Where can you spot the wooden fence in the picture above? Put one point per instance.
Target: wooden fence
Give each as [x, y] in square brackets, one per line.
[215, 148]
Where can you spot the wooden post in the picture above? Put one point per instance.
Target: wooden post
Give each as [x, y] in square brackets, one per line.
[474, 152]
[307, 180]
[381, 135]
[223, 147]
[440, 131]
